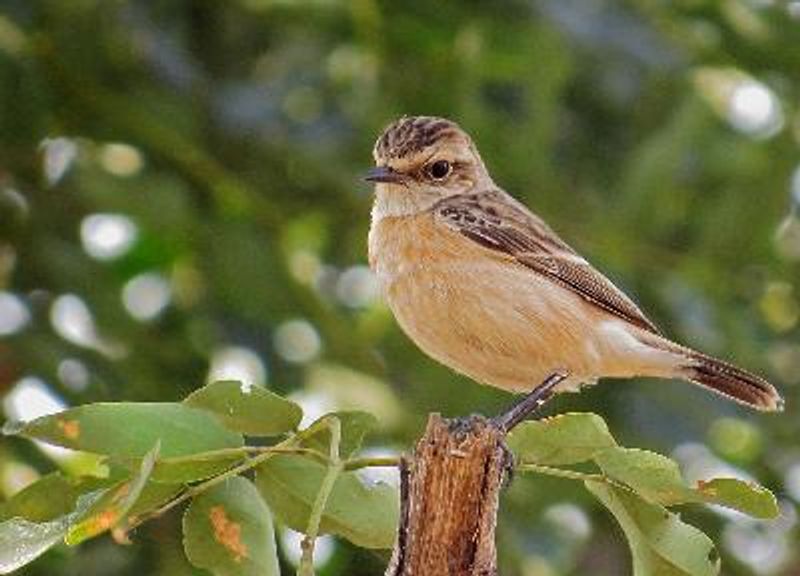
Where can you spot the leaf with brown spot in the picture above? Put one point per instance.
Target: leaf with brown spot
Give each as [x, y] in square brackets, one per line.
[113, 507]
[50, 497]
[658, 480]
[70, 428]
[228, 531]
[130, 429]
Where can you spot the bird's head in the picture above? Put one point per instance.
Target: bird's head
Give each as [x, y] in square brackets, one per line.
[421, 159]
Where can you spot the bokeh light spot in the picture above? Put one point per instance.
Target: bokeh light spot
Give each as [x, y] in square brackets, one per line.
[748, 105]
[315, 404]
[779, 306]
[146, 296]
[569, 520]
[73, 374]
[735, 439]
[121, 159]
[14, 476]
[291, 543]
[237, 363]
[794, 186]
[753, 109]
[107, 236]
[784, 358]
[304, 266]
[297, 341]
[357, 287]
[73, 321]
[31, 398]
[59, 155]
[763, 547]
[791, 481]
[14, 314]
[13, 203]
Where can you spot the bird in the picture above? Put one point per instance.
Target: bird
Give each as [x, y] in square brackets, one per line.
[484, 286]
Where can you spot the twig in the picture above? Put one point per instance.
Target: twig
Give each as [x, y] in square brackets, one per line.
[335, 468]
[242, 452]
[290, 445]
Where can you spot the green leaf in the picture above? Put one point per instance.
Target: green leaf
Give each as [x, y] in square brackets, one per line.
[661, 544]
[746, 497]
[658, 479]
[50, 497]
[355, 426]
[111, 509]
[192, 468]
[365, 515]
[228, 531]
[22, 541]
[153, 495]
[130, 430]
[574, 438]
[563, 439]
[652, 476]
[251, 410]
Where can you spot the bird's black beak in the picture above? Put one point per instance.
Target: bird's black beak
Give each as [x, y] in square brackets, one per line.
[383, 174]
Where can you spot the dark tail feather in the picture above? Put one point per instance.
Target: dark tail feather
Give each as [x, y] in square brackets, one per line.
[733, 382]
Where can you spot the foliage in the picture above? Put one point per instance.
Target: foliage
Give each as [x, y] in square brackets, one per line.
[227, 526]
[180, 203]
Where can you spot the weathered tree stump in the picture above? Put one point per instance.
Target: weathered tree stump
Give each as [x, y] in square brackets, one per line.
[450, 489]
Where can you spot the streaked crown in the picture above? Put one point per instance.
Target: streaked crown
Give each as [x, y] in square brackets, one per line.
[412, 134]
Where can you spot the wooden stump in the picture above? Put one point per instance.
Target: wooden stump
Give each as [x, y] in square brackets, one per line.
[449, 491]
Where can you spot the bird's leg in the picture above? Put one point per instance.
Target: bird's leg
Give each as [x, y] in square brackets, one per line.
[519, 411]
[529, 404]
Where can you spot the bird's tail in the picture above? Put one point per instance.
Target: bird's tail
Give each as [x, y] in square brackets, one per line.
[729, 380]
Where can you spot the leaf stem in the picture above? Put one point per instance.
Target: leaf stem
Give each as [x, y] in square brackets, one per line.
[561, 473]
[335, 467]
[264, 453]
[378, 461]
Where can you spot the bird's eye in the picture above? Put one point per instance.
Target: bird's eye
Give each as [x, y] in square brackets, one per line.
[440, 169]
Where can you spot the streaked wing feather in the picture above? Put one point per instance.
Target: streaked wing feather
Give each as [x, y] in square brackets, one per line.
[590, 284]
[498, 222]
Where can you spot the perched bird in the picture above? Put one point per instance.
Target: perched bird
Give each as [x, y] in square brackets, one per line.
[485, 287]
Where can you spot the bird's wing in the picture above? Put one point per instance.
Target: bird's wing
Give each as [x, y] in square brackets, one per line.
[498, 222]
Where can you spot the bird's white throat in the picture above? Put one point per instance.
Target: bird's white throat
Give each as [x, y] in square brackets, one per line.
[392, 200]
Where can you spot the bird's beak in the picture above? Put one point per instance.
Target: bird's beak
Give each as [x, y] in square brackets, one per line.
[384, 174]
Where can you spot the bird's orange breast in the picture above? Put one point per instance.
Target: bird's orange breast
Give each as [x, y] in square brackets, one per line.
[397, 243]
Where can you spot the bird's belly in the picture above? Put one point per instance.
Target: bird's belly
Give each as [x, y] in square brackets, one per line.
[495, 321]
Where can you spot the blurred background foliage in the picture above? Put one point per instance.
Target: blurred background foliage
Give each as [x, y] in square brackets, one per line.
[180, 200]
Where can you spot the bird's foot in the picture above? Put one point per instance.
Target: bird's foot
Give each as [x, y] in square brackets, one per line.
[509, 464]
